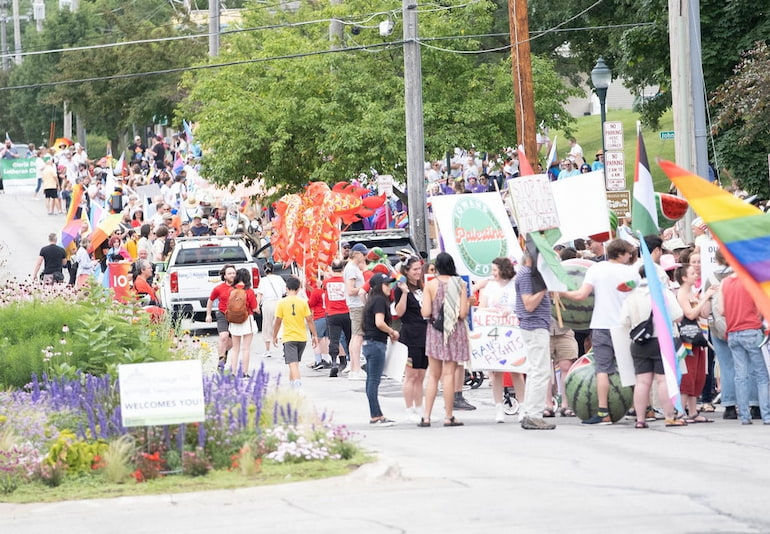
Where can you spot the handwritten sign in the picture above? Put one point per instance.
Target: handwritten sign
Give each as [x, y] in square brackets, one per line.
[533, 203]
[496, 343]
[161, 393]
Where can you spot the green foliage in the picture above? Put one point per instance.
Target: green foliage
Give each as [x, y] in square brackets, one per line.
[195, 463]
[329, 117]
[76, 455]
[116, 459]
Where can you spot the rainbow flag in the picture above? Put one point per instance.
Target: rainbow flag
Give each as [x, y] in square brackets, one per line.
[69, 232]
[663, 328]
[742, 231]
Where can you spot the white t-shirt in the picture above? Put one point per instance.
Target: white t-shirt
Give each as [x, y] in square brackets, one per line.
[353, 272]
[500, 296]
[605, 277]
[271, 287]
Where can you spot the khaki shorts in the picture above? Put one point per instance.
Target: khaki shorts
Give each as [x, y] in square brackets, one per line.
[564, 347]
[356, 321]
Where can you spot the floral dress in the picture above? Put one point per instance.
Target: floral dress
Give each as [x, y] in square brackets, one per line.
[457, 347]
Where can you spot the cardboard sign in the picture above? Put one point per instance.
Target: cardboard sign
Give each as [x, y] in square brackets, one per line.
[496, 343]
[161, 393]
[385, 185]
[582, 204]
[475, 229]
[532, 202]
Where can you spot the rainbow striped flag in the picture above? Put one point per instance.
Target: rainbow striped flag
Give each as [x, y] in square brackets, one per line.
[663, 328]
[742, 231]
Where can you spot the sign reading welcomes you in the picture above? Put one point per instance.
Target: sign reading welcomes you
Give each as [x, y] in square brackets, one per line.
[475, 229]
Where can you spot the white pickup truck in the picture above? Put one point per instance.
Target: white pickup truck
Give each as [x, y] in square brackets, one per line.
[194, 269]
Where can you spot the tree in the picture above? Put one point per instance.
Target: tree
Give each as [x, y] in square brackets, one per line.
[331, 116]
[743, 120]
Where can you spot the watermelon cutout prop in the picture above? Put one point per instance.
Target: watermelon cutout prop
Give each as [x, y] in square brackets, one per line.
[576, 314]
[580, 389]
[671, 208]
[606, 236]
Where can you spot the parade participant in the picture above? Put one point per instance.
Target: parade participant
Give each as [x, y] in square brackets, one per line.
[52, 258]
[408, 298]
[50, 185]
[294, 314]
[533, 308]
[337, 316]
[354, 281]
[648, 363]
[500, 294]
[242, 333]
[317, 303]
[221, 293]
[85, 262]
[604, 279]
[445, 298]
[270, 290]
[695, 308]
[377, 329]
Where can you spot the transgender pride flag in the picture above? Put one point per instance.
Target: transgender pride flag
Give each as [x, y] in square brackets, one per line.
[663, 328]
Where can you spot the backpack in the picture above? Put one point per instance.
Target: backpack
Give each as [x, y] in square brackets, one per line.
[237, 309]
[116, 202]
[643, 332]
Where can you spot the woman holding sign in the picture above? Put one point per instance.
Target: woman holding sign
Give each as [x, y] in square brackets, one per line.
[500, 294]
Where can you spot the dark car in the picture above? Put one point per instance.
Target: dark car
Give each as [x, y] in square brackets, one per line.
[390, 241]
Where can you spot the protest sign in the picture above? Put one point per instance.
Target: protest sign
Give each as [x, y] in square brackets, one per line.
[532, 203]
[582, 205]
[475, 229]
[496, 343]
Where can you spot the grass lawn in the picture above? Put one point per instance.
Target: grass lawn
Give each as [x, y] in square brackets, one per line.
[588, 134]
[94, 487]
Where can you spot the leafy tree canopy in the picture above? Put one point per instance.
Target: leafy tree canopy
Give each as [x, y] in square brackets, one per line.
[331, 116]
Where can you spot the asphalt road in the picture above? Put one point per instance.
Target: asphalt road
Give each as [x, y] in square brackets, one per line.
[478, 478]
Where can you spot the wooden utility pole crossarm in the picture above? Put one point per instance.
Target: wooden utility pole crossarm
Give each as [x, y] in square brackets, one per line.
[523, 84]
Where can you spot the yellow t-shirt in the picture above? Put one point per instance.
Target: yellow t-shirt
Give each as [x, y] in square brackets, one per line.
[293, 310]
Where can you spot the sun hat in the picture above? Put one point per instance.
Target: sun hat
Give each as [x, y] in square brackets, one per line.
[668, 262]
[674, 244]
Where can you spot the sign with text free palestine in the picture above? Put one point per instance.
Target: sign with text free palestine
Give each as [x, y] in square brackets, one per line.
[496, 343]
[475, 229]
[161, 393]
[18, 169]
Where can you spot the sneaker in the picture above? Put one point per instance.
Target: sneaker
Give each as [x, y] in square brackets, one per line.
[346, 370]
[334, 372]
[598, 420]
[755, 413]
[631, 415]
[499, 414]
[344, 364]
[746, 422]
[357, 375]
[533, 423]
[730, 413]
[267, 354]
[650, 415]
[382, 421]
[320, 366]
[462, 404]
[412, 416]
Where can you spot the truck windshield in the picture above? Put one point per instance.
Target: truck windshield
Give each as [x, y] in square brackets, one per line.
[204, 255]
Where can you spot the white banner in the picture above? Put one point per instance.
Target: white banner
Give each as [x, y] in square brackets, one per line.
[161, 393]
[475, 229]
[496, 343]
[582, 205]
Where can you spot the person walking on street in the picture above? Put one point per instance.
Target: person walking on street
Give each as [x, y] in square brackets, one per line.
[270, 290]
[221, 293]
[354, 281]
[242, 334]
[337, 316]
[294, 314]
[52, 258]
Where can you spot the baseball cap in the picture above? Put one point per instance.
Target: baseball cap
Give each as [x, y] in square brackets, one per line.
[668, 263]
[360, 247]
[378, 279]
[346, 245]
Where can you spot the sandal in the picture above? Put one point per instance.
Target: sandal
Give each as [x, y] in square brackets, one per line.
[423, 423]
[641, 424]
[676, 422]
[566, 412]
[708, 407]
[701, 419]
[549, 413]
[452, 422]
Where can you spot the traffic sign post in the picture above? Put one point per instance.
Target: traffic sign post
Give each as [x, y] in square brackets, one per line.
[614, 171]
[619, 202]
[613, 136]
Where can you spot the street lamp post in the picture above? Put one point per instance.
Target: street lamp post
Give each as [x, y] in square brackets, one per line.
[601, 76]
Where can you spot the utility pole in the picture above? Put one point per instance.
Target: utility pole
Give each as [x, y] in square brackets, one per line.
[523, 84]
[16, 33]
[335, 29]
[213, 28]
[415, 140]
[687, 93]
[4, 33]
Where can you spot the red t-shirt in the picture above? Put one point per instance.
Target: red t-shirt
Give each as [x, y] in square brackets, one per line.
[741, 312]
[221, 292]
[142, 287]
[335, 295]
[317, 304]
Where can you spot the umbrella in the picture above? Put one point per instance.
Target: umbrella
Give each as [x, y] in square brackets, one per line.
[62, 141]
[104, 230]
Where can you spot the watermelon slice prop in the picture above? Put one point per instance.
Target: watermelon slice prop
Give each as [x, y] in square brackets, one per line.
[671, 208]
